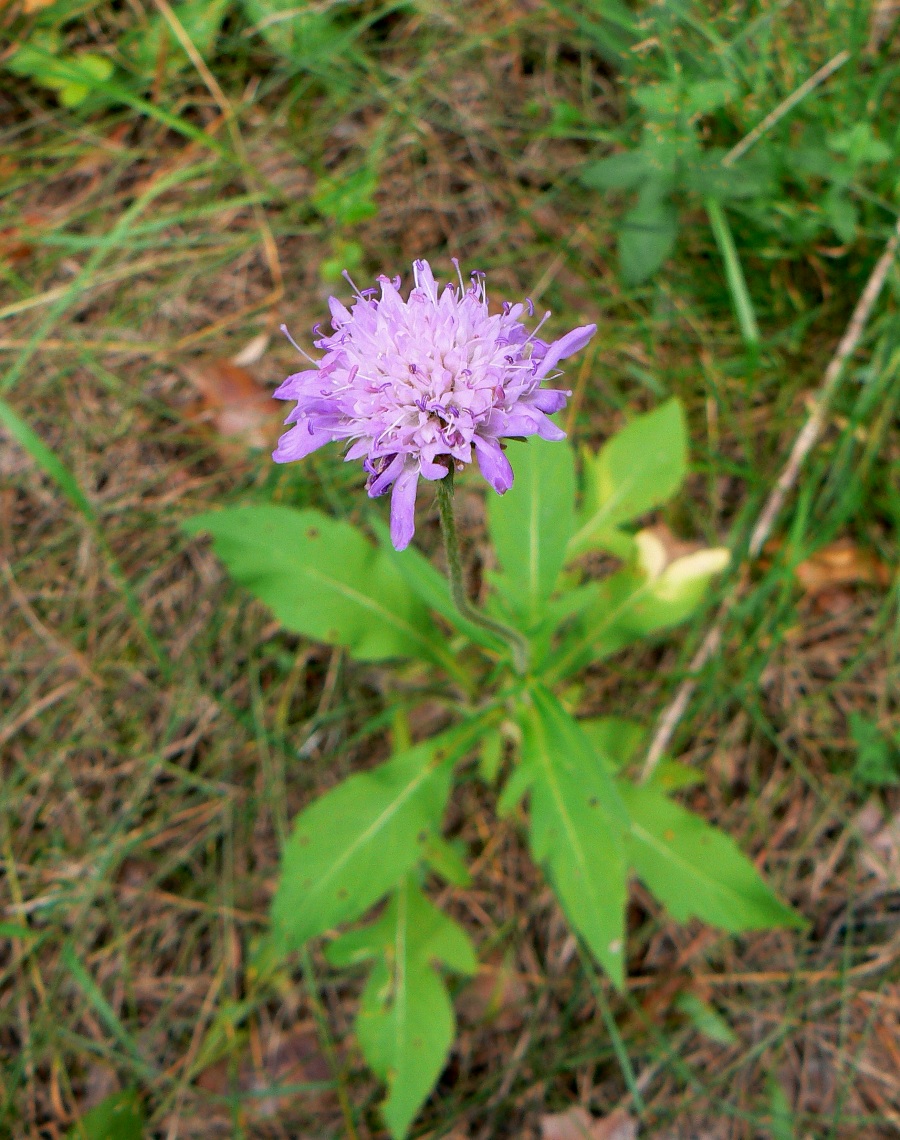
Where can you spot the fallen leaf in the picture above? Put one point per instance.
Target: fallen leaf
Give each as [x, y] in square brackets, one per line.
[841, 563]
[578, 1124]
[252, 352]
[12, 248]
[233, 402]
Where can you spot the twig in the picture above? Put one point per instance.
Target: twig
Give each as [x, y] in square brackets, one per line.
[784, 107]
[803, 444]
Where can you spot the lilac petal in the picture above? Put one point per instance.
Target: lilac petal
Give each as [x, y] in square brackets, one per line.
[521, 420]
[381, 482]
[432, 470]
[403, 508]
[572, 342]
[289, 389]
[548, 400]
[301, 441]
[549, 430]
[358, 450]
[494, 465]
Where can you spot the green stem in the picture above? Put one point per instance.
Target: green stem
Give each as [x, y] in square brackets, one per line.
[516, 642]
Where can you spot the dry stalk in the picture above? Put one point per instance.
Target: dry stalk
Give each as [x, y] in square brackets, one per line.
[803, 444]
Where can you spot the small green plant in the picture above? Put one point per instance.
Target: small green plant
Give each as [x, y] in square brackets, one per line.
[505, 674]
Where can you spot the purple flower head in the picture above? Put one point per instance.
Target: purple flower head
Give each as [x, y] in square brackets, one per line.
[414, 386]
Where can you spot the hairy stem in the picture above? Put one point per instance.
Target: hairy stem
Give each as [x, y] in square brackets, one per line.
[516, 642]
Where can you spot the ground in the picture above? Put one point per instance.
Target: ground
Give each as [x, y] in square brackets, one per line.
[158, 729]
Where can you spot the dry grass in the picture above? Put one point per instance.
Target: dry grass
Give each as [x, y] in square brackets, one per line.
[143, 793]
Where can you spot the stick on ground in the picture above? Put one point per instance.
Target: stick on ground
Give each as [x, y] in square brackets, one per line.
[804, 443]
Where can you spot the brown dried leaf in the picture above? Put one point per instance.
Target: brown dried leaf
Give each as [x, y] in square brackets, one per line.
[12, 248]
[841, 563]
[233, 402]
[577, 1124]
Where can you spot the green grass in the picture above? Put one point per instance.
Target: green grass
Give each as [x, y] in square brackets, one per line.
[157, 731]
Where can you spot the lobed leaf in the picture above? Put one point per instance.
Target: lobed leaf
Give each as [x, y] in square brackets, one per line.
[405, 1024]
[324, 579]
[694, 869]
[351, 846]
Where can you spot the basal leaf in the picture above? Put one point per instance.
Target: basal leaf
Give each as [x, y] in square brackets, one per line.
[636, 470]
[349, 848]
[324, 579]
[405, 1024]
[577, 822]
[694, 869]
[532, 523]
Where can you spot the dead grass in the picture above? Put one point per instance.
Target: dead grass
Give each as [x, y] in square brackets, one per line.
[142, 802]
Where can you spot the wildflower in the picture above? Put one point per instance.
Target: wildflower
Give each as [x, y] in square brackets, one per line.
[415, 386]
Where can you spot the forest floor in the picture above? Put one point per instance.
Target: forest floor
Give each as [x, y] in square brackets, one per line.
[154, 720]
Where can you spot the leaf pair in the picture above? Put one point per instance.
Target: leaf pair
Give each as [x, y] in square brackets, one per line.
[589, 830]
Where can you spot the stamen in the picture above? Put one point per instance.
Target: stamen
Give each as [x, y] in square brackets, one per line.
[302, 351]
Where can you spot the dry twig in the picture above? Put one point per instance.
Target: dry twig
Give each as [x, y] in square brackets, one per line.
[803, 444]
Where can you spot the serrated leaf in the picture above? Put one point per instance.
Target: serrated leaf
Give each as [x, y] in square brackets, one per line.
[405, 1024]
[576, 827]
[623, 171]
[324, 579]
[639, 468]
[694, 869]
[647, 236]
[117, 1117]
[355, 843]
[532, 523]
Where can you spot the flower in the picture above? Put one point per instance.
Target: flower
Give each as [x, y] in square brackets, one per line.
[417, 385]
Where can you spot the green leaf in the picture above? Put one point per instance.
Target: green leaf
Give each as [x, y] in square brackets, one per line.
[842, 215]
[706, 1019]
[324, 579]
[156, 42]
[490, 755]
[707, 95]
[446, 860]
[355, 843]
[71, 76]
[639, 468]
[532, 523]
[347, 198]
[614, 737]
[623, 171]
[647, 236]
[405, 1024]
[694, 869]
[118, 1117]
[299, 35]
[877, 760]
[577, 823]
